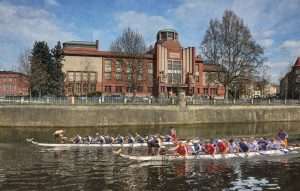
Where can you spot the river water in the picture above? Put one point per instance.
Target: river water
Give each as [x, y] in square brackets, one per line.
[29, 167]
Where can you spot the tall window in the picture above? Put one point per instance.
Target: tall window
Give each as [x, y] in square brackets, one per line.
[197, 67]
[78, 76]
[93, 88]
[107, 89]
[85, 87]
[107, 65]
[118, 66]
[70, 87]
[118, 76]
[119, 89]
[197, 79]
[150, 68]
[85, 76]
[140, 67]
[150, 77]
[205, 91]
[93, 76]
[174, 71]
[78, 87]
[70, 76]
[107, 75]
[107, 69]
[140, 76]
[213, 91]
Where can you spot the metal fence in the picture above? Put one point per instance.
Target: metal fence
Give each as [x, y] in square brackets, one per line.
[123, 100]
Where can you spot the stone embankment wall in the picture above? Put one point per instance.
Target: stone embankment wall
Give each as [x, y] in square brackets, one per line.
[110, 115]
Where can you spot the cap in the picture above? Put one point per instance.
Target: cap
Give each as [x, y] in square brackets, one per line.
[219, 141]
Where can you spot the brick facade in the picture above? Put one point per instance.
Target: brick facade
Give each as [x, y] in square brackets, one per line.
[166, 69]
[13, 84]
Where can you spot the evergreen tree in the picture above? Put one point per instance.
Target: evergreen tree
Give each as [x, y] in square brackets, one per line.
[56, 75]
[40, 60]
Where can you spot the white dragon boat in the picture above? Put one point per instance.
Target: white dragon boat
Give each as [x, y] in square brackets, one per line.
[289, 150]
[94, 144]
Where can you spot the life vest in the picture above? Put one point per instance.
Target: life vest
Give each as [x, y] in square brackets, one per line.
[101, 139]
[210, 149]
[222, 147]
[168, 138]
[130, 140]
[173, 133]
[181, 149]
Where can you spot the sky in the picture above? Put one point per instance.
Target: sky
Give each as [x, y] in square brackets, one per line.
[274, 24]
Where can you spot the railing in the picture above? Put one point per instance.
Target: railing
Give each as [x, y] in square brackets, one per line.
[196, 101]
[123, 100]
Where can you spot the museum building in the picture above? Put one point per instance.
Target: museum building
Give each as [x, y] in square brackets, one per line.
[164, 70]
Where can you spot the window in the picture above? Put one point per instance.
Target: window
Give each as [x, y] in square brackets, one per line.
[169, 65]
[150, 68]
[118, 76]
[205, 91]
[93, 76]
[129, 76]
[213, 91]
[140, 67]
[174, 71]
[150, 77]
[85, 76]
[176, 78]
[107, 89]
[78, 87]
[107, 65]
[139, 89]
[118, 66]
[197, 67]
[85, 87]
[71, 87]
[15, 87]
[78, 76]
[93, 88]
[119, 89]
[150, 89]
[9, 79]
[70, 76]
[140, 77]
[197, 79]
[129, 89]
[169, 77]
[107, 75]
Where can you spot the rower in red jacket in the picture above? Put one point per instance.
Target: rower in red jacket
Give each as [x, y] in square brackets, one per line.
[210, 149]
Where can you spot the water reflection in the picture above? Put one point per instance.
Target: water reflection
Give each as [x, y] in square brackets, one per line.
[45, 134]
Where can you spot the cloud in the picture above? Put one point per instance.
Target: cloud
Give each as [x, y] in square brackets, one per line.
[292, 47]
[51, 2]
[267, 42]
[21, 26]
[147, 25]
[269, 33]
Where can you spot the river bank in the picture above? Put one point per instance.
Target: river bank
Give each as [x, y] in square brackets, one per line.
[122, 115]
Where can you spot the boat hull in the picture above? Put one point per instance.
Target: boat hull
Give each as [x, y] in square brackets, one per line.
[216, 156]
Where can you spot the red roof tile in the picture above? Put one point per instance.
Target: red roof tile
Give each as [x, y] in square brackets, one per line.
[297, 64]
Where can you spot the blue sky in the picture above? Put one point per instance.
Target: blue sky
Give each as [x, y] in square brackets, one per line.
[274, 24]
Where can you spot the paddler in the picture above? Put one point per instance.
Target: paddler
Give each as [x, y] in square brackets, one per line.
[232, 148]
[60, 134]
[210, 149]
[282, 136]
[77, 139]
[221, 146]
[153, 145]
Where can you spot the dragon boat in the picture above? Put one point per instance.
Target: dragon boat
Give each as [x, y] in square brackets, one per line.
[93, 144]
[289, 150]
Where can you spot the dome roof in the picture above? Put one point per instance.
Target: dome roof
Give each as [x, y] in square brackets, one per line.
[168, 30]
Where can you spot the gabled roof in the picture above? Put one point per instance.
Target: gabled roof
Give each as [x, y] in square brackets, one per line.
[297, 63]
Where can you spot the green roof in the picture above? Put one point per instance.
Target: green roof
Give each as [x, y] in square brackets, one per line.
[167, 30]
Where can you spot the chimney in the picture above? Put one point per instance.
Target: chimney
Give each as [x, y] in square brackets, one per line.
[97, 44]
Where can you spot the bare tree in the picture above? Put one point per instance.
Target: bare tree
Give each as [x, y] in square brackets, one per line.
[23, 62]
[230, 44]
[87, 68]
[264, 80]
[131, 46]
